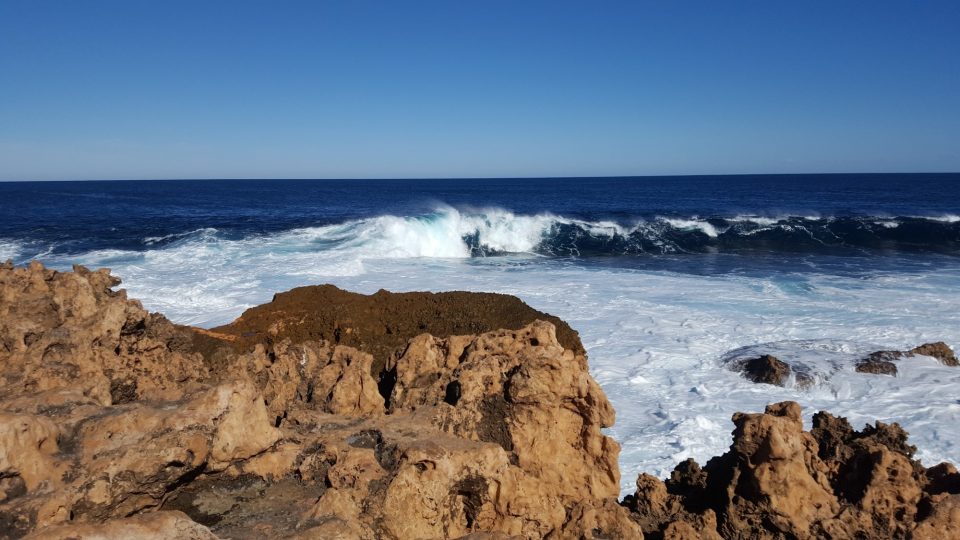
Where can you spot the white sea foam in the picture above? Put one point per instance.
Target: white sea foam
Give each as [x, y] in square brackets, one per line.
[947, 218]
[9, 250]
[150, 240]
[759, 220]
[693, 224]
[656, 339]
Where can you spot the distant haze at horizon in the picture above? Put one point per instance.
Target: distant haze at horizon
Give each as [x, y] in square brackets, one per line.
[347, 90]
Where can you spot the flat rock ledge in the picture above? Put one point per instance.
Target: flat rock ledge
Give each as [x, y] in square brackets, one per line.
[302, 420]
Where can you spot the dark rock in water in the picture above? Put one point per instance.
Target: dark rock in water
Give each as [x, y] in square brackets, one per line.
[765, 369]
[877, 366]
[882, 362]
[885, 356]
[938, 350]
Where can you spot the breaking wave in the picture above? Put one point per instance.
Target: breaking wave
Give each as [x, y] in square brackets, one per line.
[452, 233]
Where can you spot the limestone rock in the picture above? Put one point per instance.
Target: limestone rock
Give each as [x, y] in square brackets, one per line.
[509, 388]
[778, 481]
[152, 526]
[71, 330]
[312, 375]
[107, 411]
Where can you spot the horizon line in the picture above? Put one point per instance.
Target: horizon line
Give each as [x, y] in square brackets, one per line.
[401, 178]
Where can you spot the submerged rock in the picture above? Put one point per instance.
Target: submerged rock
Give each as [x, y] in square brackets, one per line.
[768, 369]
[765, 369]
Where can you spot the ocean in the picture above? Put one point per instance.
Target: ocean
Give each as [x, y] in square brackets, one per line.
[666, 278]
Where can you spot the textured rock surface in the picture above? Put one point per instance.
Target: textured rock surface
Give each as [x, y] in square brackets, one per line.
[150, 526]
[114, 425]
[378, 324]
[778, 481]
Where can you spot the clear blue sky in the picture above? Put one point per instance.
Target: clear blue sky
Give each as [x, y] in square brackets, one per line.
[204, 89]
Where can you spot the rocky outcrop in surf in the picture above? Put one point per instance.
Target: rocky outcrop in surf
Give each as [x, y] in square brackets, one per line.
[115, 423]
[885, 362]
[779, 481]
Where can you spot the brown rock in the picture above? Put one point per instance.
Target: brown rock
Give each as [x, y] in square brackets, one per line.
[938, 350]
[876, 366]
[152, 526]
[510, 387]
[71, 330]
[765, 369]
[882, 362]
[778, 481]
[105, 412]
[378, 324]
[942, 521]
[111, 426]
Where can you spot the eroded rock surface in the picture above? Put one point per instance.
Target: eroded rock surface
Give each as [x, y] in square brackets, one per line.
[778, 481]
[113, 424]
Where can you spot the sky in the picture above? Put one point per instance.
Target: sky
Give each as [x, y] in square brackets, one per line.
[326, 89]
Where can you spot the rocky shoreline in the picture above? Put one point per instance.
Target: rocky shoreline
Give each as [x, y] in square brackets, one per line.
[328, 414]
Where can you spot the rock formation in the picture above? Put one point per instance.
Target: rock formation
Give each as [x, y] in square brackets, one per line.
[884, 362]
[377, 324]
[115, 423]
[778, 481]
[769, 369]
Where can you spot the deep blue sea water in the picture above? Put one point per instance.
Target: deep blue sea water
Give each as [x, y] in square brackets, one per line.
[665, 278]
[832, 214]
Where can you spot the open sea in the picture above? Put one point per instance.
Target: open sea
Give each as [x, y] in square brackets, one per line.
[665, 278]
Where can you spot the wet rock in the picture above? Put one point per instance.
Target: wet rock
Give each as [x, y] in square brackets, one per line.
[876, 366]
[939, 350]
[768, 369]
[883, 362]
[765, 369]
